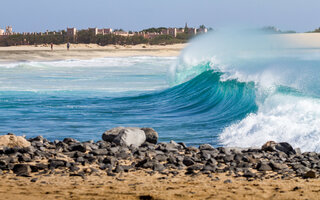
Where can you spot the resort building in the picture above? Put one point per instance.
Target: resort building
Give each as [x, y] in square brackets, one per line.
[202, 30]
[192, 31]
[94, 31]
[180, 30]
[71, 32]
[170, 31]
[123, 33]
[151, 35]
[105, 31]
[9, 30]
[1, 32]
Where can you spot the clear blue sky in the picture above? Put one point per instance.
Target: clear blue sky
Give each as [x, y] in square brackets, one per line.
[40, 15]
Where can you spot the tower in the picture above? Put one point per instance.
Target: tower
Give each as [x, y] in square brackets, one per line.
[186, 29]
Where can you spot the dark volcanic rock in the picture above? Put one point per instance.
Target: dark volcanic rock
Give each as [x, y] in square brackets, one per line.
[109, 160]
[118, 169]
[55, 163]
[158, 167]
[69, 141]
[151, 135]
[22, 169]
[111, 134]
[188, 161]
[285, 147]
[264, 167]
[282, 147]
[3, 164]
[99, 152]
[78, 147]
[310, 174]
[227, 181]
[206, 147]
[120, 148]
[249, 174]
[278, 166]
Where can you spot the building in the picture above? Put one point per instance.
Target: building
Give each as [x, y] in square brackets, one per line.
[170, 31]
[180, 30]
[123, 33]
[1, 32]
[94, 31]
[148, 35]
[9, 30]
[202, 30]
[72, 32]
[104, 31]
[192, 31]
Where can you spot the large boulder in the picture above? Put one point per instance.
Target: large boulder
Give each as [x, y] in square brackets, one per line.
[280, 147]
[151, 135]
[111, 134]
[11, 141]
[130, 136]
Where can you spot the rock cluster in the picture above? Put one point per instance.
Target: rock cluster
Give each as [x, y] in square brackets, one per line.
[129, 149]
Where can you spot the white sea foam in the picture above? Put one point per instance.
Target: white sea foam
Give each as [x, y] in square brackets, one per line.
[287, 85]
[143, 73]
[280, 118]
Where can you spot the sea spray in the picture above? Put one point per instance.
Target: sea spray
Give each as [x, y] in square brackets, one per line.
[287, 85]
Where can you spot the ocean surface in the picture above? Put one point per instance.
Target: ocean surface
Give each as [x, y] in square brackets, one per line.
[224, 90]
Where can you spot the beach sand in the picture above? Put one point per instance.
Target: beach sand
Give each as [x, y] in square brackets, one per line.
[89, 51]
[140, 185]
[84, 51]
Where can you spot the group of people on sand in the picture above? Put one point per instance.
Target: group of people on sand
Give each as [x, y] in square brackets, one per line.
[68, 46]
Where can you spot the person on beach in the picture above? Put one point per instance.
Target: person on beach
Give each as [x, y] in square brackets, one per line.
[51, 46]
[68, 45]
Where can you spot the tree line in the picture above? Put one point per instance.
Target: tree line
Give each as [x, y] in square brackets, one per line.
[87, 37]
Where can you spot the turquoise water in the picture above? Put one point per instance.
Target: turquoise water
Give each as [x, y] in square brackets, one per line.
[63, 99]
[223, 95]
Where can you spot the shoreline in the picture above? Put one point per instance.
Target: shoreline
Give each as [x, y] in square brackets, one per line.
[85, 51]
[129, 163]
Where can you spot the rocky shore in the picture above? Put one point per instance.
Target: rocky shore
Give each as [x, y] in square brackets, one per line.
[131, 149]
[134, 151]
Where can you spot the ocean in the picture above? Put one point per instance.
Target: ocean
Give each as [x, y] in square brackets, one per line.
[224, 89]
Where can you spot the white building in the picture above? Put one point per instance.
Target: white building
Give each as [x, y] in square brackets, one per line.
[105, 31]
[202, 30]
[9, 30]
[1, 32]
[94, 31]
[71, 32]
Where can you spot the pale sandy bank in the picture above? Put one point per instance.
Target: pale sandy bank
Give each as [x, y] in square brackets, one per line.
[84, 51]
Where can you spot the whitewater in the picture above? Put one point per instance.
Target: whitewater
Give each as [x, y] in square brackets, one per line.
[232, 88]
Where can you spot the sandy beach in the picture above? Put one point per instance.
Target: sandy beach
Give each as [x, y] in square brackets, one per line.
[141, 185]
[89, 51]
[84, 51]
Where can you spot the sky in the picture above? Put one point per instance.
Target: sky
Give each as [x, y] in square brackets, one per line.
[42, 15]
